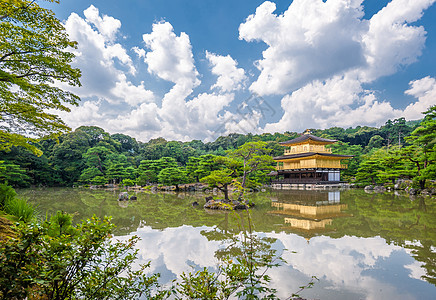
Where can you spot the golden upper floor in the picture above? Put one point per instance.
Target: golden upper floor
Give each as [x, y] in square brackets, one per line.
[307, 147]
[307, 143]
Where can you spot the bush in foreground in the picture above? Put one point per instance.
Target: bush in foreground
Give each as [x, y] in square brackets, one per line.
[56, 260]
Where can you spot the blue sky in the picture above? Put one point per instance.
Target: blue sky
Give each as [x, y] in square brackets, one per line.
[197, 69]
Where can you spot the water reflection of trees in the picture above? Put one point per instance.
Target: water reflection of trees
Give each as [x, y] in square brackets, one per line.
[403, 221]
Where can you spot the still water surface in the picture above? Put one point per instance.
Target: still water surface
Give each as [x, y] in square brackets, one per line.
[359, 245]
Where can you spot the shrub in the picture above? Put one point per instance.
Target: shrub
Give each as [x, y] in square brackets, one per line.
[128, 182]
[6, 192]
[77, 262]
[99, 180]
[21, 209]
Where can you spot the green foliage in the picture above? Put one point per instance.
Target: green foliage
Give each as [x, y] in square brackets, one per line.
[33, 56]
[13, 174]
[370, 167]
[75, 262]
[128, 182]
[78, 156]
[376, 141]
[99, 180]
[20, 209]
[60, 223]
[149, 169]
[256, 162]
[89, 174]
[116, 172]
[6, 193]
[395, 131]
[199, 167]
[222, 178]
[172, 176]
[422, 151]
[96, 157]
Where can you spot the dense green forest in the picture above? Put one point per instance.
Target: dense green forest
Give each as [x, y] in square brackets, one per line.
[89, 155]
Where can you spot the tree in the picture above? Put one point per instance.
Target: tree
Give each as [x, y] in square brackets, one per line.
[33, 57]
[222, 178]
[96, 156]
[422, 151]
[394, 166]
[89, 174]
[395, 131]
[13, 174]
[370, 167]
[150, 169]
[255, 158]
[66, 156]
[173, 176]
[116, 172]
[376, 141]
[199, 167]
[128, 144]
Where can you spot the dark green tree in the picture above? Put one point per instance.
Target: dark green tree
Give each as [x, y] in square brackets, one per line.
[173, 176]
[89, 174]
[422, 150]
[116, 172]
[96, 157]
[13, 174]
[230, 170]
[255, 159]
[370, 167]
[198, 167]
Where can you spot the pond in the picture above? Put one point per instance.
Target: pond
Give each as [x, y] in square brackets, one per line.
[359, 245]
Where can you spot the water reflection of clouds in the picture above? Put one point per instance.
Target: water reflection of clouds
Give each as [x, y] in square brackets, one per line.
[340, 265]
[348, 267]
[176, 248]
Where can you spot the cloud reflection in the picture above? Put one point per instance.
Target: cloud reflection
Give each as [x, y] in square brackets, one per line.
[347, 267]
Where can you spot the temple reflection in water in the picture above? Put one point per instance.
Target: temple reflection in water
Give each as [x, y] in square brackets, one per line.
[308, 212]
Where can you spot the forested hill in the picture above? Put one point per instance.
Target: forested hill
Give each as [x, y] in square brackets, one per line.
[67, 161]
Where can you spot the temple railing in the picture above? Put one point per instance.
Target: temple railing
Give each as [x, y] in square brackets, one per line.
[314, 166]
[303, 181]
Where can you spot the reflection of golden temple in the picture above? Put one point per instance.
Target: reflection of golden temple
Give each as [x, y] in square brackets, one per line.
[308, 211]
[308, 224]
[310, 215]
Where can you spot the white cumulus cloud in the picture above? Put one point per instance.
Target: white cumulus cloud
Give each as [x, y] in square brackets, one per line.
[311, 40]
[425, 91]
[171, 56]
[320, 54]
[230, 77]
[97, 56]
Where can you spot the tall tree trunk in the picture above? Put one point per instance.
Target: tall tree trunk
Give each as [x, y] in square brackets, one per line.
[422, 184]
[226, 192]
[243, 185]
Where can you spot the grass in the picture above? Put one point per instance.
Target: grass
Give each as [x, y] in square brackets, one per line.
[21, 209]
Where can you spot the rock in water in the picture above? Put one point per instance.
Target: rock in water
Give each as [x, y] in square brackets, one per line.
[368, 188]
[123, 196]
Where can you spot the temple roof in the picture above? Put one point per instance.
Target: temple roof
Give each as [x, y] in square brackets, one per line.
[306, 154]
[306, 137]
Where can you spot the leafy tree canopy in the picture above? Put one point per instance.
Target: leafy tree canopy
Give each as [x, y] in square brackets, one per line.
[33, 56]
